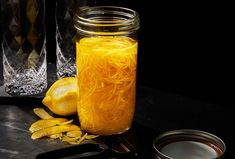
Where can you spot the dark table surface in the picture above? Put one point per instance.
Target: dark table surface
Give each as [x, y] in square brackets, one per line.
[156, 112]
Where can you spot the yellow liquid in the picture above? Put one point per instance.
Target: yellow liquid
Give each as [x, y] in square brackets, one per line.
[106, 67]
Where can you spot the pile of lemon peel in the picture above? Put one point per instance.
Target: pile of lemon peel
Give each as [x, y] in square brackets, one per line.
[57, 128]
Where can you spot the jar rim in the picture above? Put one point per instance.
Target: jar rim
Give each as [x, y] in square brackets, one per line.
[187, 135]
[124, 20]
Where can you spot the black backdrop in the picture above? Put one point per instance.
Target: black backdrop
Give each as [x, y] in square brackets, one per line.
[184, 47]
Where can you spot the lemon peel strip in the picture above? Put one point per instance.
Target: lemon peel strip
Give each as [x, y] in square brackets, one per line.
[45, 123]
[53, 130]
[41, 113]
[56, 136]
[89, 137]
[65, 123]
[78, 141]
[74, 134]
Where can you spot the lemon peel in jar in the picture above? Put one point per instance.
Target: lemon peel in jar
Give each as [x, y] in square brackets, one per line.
[107, 77]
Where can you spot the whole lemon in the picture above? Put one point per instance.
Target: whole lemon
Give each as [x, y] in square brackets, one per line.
[61, 97]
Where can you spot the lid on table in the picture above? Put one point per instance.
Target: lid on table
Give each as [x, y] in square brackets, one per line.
[188, 144]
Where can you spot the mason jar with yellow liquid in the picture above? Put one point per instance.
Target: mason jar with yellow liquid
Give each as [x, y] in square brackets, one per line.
[106, 58]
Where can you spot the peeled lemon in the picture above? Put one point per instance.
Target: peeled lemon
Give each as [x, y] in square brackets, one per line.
[61, 97]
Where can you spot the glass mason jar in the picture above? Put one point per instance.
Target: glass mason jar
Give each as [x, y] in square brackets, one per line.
[106, 58]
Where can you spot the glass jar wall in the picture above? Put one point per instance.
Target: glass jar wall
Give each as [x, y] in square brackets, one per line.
[106, 58]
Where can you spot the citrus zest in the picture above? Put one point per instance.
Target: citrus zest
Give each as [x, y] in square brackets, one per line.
[45, 123]
[41, 113]
[106, 81]
[74, 134]
[56, 136]
[53, 130]
[57, 128]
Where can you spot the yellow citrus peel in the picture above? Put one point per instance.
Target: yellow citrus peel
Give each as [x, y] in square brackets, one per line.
[45, 123]
[74, 134]
[106, 81]
[57, 128]
[53, 130]
[56, 136]
[41, 113]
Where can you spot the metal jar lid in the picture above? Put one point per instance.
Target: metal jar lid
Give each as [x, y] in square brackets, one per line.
[188, 143]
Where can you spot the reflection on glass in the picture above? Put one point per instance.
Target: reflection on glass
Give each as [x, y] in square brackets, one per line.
[24, 46]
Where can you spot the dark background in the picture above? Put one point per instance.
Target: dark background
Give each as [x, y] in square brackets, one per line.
[184, 47]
